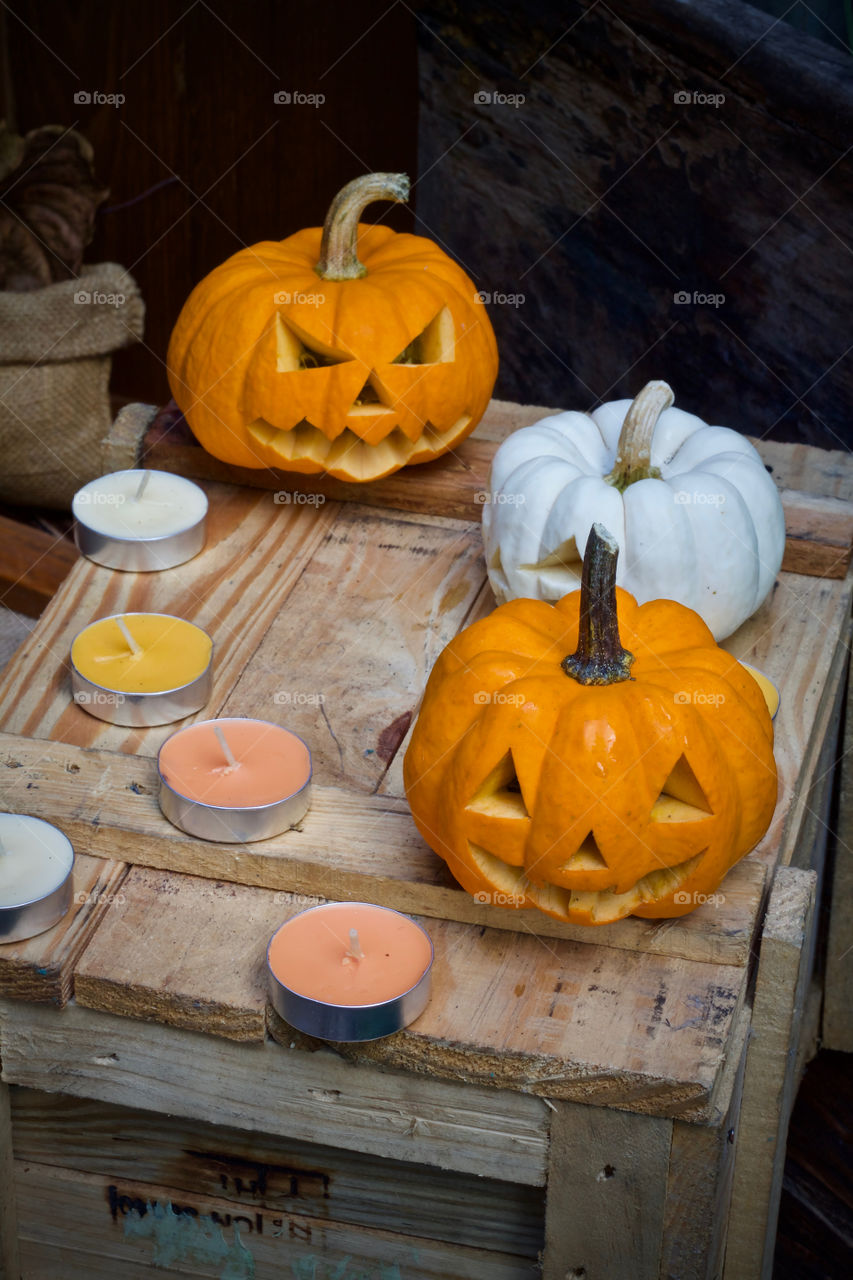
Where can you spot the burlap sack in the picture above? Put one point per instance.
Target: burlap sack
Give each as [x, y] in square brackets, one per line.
[55, 346]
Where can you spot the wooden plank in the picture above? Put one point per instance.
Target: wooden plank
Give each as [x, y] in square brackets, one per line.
[42, 968]
[151, 1229]
[311, 1096]
[769, 1083]
[345, 661]
[349, 846]
[699, 1180]
[9, 1255]
[253, 1171]
[838, 990]
[255, 553]
[35, 563]
[606, 1190]
[819, 528]
[661, 1026]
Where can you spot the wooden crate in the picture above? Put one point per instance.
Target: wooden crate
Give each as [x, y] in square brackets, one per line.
[596, 1076]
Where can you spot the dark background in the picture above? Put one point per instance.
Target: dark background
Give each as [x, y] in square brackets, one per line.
[599, 199]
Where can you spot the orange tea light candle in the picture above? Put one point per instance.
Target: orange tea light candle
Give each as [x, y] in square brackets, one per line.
[141, 668]
[234, 779]
[350, 971]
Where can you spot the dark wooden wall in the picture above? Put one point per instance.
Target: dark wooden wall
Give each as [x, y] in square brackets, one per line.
[199, 82]
[601, 198]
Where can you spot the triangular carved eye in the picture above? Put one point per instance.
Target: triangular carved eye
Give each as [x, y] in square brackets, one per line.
[682, 798]
[295, 349]
[499, 795]
[587, 858]
[434, 345]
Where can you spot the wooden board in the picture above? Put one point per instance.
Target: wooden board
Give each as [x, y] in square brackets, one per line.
[349, 846]
[147, 1229]
[9, 1258]
[199, 963]
[819, 528]
[312, 1096]
[259, 1173]
[769, 1084]
[35, 563]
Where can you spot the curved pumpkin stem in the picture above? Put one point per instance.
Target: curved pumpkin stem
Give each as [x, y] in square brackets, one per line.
[339, 246]
[599, 657]
[634, 450]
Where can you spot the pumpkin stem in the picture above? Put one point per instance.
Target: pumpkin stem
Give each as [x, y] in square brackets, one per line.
[599, 657]
[634, 450]
[339, 246]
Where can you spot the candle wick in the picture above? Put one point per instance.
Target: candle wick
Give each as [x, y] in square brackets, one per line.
[233, 762]
[146, 476]
[135, 648]
[354, 951]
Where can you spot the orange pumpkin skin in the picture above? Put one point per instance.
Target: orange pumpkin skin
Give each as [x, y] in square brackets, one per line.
[237, 355]
[590, 836]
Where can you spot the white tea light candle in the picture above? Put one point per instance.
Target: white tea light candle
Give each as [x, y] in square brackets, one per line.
[140, 520]
[36, 862]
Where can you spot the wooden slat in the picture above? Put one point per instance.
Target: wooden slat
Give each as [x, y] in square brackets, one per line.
[349, 845]
[606, 1191]
[42, 968]
[9, 1257]
[255, 1172]
[149, 1229]
[838, 993]
[311, 1096]
[34, 565]
[255, 553]
[819, 527]
[191, 953]
[769, 1084]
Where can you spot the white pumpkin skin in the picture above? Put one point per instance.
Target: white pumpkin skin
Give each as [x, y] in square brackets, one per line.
[710, 533]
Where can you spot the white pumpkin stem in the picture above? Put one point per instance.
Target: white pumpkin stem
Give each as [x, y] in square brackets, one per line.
[634, 450]
[339, 246]
[600, 657]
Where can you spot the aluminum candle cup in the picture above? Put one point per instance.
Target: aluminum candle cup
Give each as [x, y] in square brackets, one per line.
[140, 520]
[36, 867]
[169, 678]
[234, 780]
[350, 971]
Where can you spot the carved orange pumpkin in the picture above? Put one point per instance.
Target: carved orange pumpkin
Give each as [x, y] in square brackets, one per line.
[606, 783]
[306, 356]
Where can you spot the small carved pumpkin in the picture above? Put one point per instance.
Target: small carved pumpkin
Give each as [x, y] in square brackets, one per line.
[612, 782]
[305, 356]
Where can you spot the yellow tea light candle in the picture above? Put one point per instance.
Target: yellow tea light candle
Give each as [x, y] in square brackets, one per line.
[141, 668]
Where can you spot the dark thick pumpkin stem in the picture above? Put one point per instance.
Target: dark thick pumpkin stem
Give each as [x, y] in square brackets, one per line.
[339, 246]
[634, 450]
[599, 657]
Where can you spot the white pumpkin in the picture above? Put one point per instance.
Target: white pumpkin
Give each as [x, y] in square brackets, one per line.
[697, 517]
